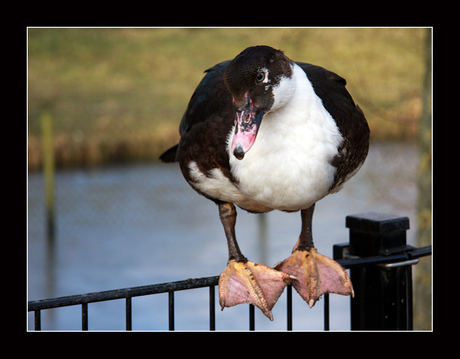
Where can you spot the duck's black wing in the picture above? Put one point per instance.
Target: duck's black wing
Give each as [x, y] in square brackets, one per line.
[205, 126]
[350, 120]
[210, 99]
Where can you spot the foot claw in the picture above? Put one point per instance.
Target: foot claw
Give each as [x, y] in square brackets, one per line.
[316, 274]
[252, 283]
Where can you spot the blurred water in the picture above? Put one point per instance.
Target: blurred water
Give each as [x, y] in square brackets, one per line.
[134, 225]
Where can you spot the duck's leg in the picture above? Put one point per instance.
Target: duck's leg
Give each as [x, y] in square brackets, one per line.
[316, 273]
[244, 281]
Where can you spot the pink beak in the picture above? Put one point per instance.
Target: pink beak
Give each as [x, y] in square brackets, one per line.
[247, 123]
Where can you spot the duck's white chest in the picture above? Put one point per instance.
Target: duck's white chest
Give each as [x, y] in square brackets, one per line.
[288, 167]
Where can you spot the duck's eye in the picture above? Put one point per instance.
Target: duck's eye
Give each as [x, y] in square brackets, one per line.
[260, 77]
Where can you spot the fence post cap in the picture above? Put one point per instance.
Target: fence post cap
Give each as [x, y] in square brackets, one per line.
[374, 234]
[377, 223]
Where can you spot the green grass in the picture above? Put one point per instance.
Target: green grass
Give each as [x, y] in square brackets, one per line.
[119, 94]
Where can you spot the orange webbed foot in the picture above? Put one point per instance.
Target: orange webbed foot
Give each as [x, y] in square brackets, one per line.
[316, 275]
[252, 283]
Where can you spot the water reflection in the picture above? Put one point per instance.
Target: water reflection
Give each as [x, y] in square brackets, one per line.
[141, 224]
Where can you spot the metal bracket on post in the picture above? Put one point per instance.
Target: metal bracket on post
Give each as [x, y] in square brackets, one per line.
[383, 292]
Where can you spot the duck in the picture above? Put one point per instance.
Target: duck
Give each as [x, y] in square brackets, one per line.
[263, 132]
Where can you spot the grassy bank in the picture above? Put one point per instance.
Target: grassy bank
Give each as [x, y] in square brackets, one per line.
[119, 94]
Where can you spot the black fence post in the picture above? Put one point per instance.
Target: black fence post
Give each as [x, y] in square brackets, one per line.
[383, 292]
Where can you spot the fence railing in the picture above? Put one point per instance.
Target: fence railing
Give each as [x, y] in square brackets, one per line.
[377, 255]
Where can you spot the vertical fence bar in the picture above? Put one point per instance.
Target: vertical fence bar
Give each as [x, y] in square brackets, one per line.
[251, 317]
[84, 316]
[171, 310]
[129, 324]
[38, 320]
[326, 311]
[289, 307]
[212, 308]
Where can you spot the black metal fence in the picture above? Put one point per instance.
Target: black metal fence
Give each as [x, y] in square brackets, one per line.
[377, 255]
